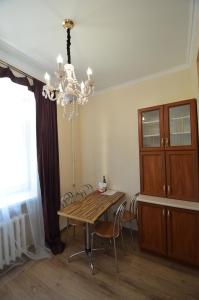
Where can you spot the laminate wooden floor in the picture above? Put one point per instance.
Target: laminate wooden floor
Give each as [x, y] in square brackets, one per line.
[141, 276]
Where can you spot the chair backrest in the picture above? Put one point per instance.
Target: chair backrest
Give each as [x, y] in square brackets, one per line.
[118, 219]
[88, 188]
[133, 203]
[66, 199]
[80, 195]
[84, 191]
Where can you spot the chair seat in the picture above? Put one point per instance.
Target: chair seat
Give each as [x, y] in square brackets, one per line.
[128, 216]
[105, 229]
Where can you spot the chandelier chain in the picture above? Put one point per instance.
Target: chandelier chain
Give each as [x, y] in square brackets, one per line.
[68, 43]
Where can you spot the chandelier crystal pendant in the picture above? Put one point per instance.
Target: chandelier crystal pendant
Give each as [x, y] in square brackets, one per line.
[67, 91]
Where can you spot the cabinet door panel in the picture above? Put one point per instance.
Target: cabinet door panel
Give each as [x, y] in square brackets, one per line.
[180, 125]
[197, 245]
[152, 227]
[152, 169]
[182, 175]
[151, 128]
[182, 234]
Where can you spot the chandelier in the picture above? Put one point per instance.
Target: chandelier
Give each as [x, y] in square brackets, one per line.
[67, 91]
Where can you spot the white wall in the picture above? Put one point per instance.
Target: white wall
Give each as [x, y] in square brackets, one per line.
[109, 127]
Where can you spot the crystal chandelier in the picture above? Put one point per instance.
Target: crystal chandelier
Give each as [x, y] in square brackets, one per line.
[67, 91]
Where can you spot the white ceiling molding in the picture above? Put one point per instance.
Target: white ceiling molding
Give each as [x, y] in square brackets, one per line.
[141, 79]
[20, 60]
[193, 37]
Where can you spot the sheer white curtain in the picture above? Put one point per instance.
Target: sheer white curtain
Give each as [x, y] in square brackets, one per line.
[19, 182]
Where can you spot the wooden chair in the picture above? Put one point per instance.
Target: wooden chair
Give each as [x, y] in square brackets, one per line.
[130, 214]
[110, 230]
[67, 199]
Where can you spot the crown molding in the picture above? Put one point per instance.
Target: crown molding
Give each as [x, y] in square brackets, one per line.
[144, 78]
[193, 33]
[191, 30]
[20, 60]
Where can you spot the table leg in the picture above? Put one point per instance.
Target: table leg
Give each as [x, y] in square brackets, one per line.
[87, 238]
[87, 250]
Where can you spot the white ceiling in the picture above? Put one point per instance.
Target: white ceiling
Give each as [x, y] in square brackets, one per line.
[120, 40]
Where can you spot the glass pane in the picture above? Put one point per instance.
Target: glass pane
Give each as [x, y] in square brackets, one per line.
[180, 125]
[151, 128]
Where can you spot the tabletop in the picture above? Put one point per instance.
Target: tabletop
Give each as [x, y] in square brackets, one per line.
[91, 207]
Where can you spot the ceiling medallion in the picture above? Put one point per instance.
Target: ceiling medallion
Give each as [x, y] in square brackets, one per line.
[67, 91]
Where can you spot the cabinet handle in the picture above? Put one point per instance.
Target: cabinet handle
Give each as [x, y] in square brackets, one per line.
[164, 188]
[168, 213]
[163, 212]
[162, 142]
[166, 142]
[168, 189]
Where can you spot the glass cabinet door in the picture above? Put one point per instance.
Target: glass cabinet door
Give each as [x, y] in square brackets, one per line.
[180, 125]
[151, 129]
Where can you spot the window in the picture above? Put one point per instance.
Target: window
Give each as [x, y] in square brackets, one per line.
[18, 160]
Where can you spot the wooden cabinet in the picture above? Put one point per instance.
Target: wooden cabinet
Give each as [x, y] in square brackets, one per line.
[168, 127]
[168, 142]
[169, 231]
[182, 175]
[151, 130]
[151, 164]
[152, 227]
[180, 125]
[182, 235]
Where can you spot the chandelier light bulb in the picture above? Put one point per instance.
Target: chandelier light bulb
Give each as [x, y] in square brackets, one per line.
[89, 73]
[47, 78]
[59, 59]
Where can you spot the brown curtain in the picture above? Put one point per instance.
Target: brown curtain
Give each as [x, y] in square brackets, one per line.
[48, 165]
[48, 159]
[6, 72]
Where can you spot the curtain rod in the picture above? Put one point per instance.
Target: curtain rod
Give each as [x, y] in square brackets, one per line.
[15, 69]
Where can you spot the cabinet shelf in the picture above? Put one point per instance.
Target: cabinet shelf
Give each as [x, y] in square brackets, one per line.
[150, 135]
[180, 118]
[181, 132]
[151, 122]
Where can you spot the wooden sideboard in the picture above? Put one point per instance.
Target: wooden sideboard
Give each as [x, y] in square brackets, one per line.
[169, 227]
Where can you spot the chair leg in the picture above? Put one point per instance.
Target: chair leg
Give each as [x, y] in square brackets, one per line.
[132, 236]
[91, 254]
[108, 245]
[122, 238]
[115, 251]
[74, 230]
[67, 230]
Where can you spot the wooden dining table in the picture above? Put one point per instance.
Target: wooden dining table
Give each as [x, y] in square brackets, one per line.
[89, 210]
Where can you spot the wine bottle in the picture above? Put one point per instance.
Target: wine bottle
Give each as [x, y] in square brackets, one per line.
[105, 183]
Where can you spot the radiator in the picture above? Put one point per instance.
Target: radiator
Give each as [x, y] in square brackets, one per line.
[12, 240]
